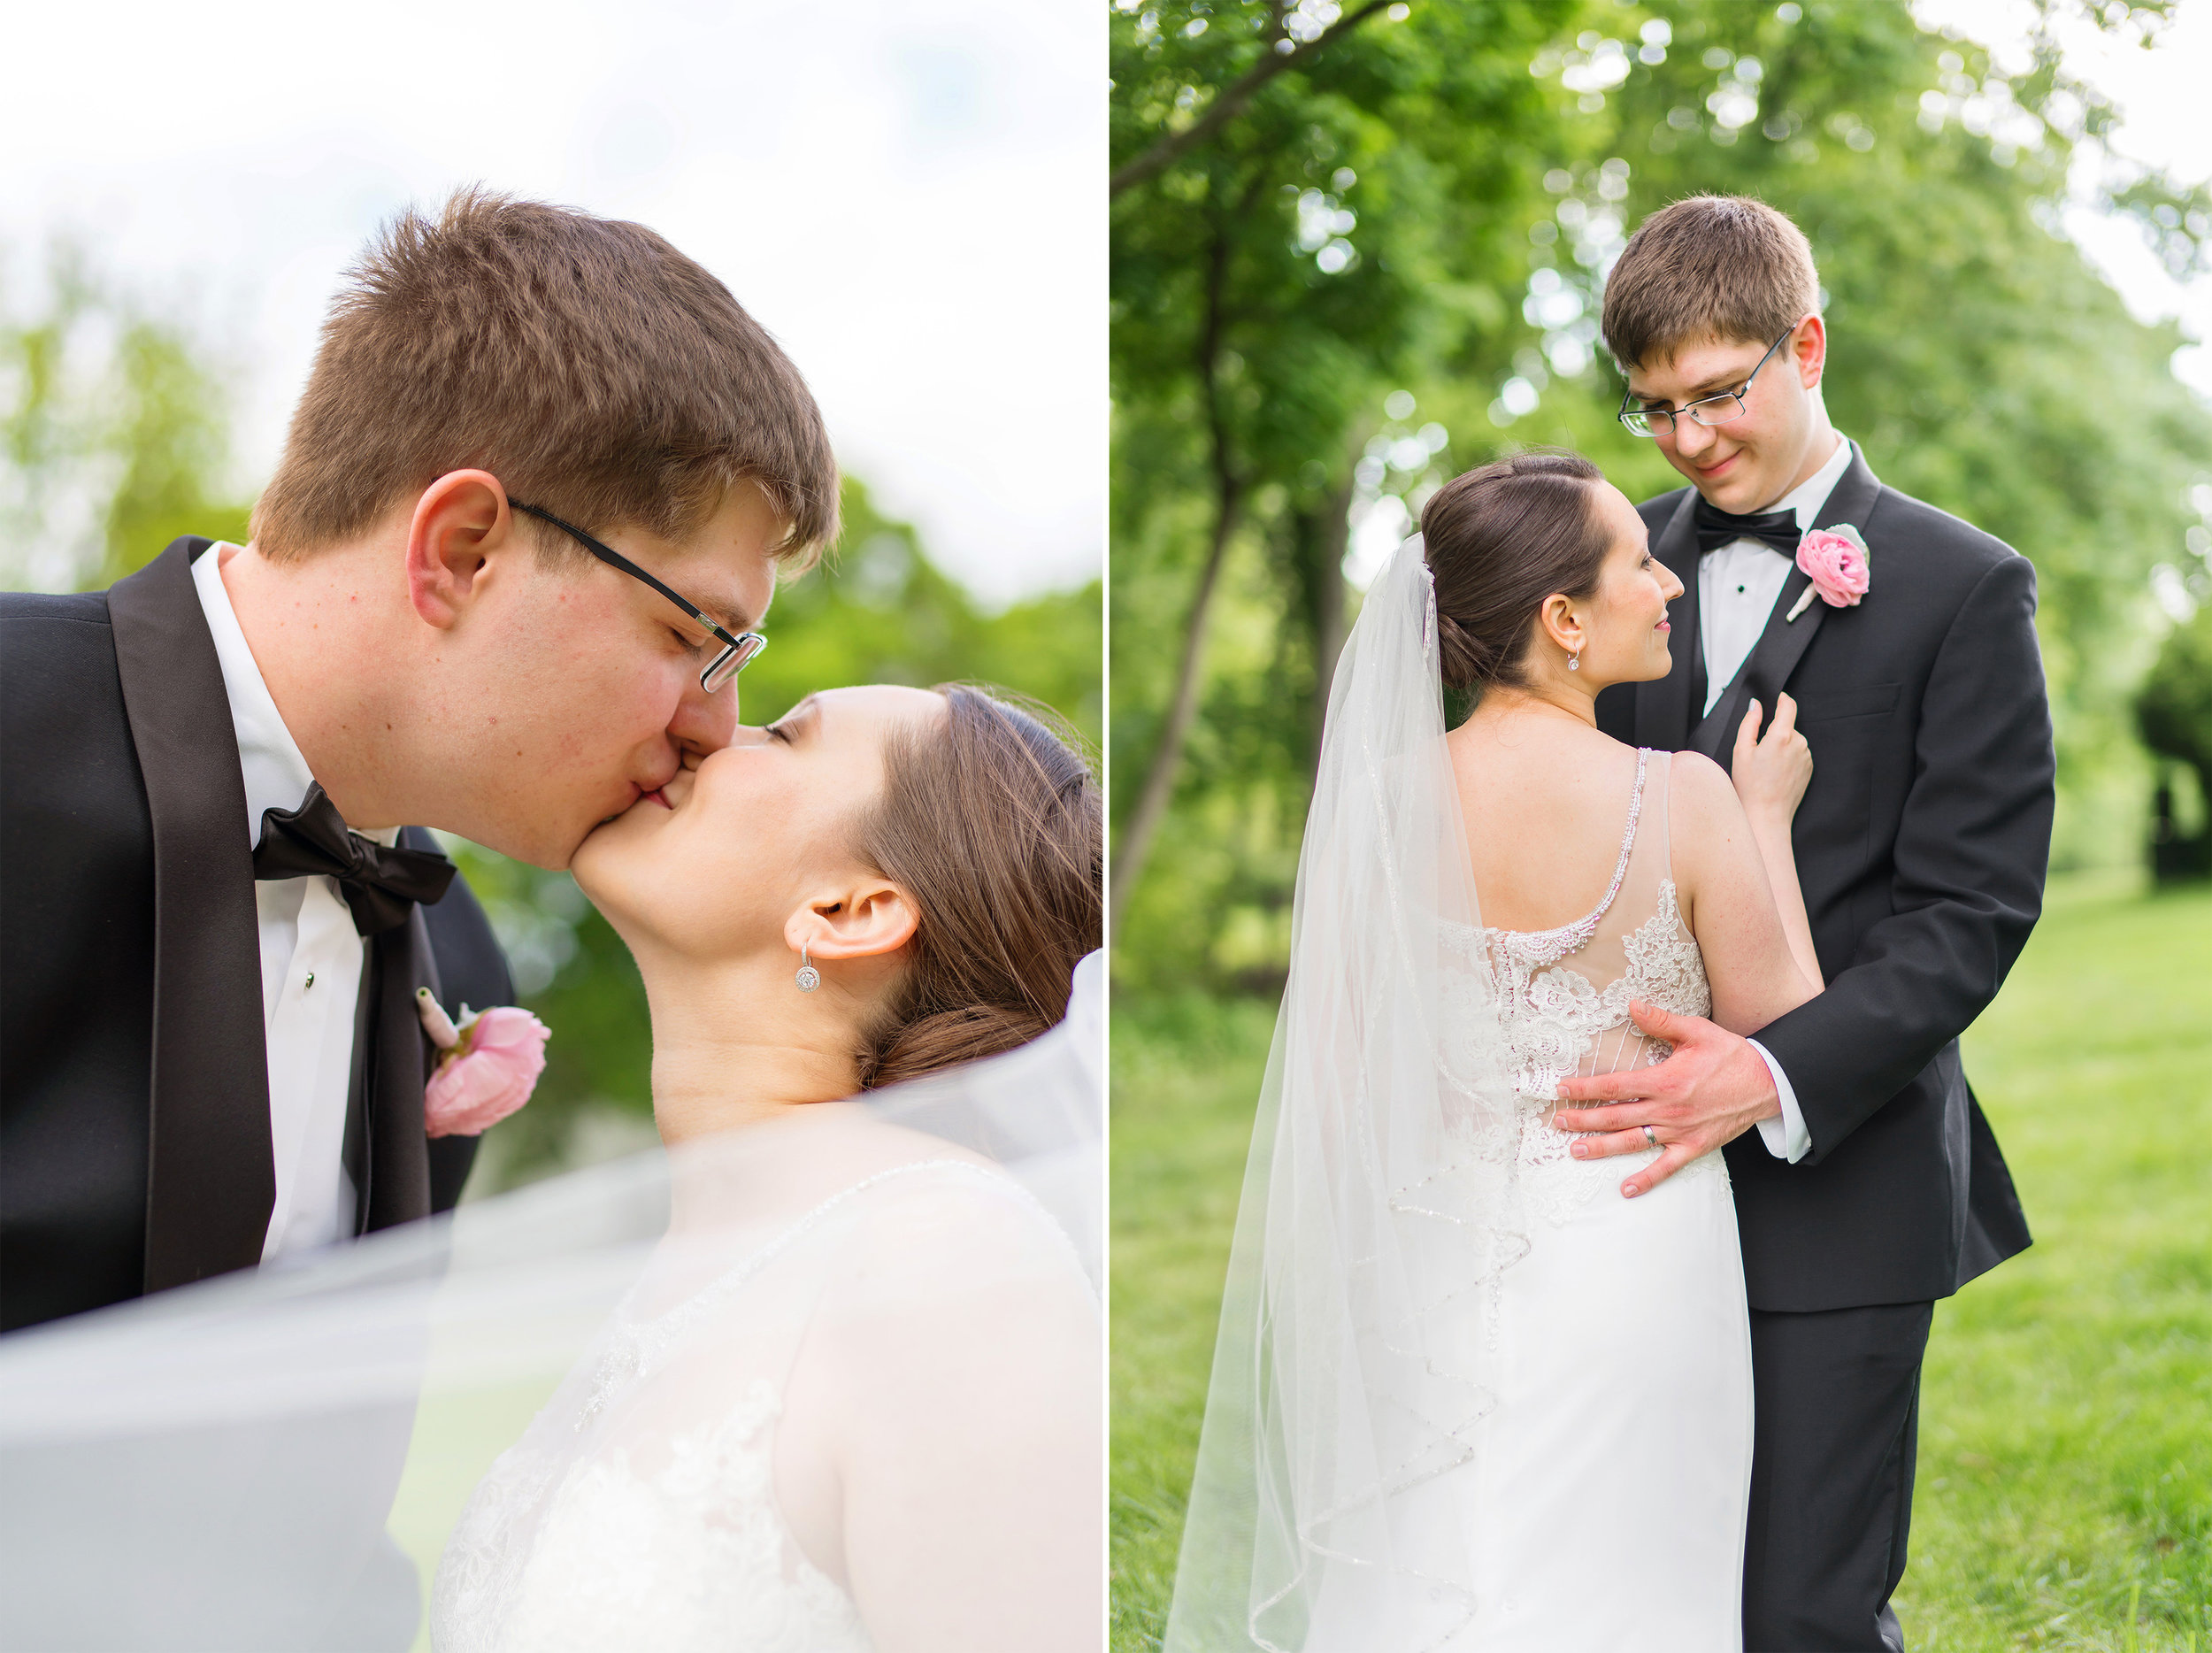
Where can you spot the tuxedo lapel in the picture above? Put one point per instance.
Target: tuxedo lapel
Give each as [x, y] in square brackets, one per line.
[1663, 707]
[211, 1175]
[1783, 642]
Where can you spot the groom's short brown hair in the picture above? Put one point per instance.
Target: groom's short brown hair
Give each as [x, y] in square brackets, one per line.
[593, 369]
[1725, 268]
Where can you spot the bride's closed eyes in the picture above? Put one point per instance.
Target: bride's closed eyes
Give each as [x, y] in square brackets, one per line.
[793, 725]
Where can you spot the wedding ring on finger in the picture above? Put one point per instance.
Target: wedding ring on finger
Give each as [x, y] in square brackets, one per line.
[1651, 1136]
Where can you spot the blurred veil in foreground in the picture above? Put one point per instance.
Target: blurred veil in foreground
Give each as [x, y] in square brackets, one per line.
[275, 1460]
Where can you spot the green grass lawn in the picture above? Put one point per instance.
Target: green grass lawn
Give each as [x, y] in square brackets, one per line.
[2065, 1492]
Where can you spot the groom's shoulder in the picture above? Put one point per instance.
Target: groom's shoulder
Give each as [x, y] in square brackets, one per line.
[1938, 540]
[50, 641]
[89, 608]
[1659, 509]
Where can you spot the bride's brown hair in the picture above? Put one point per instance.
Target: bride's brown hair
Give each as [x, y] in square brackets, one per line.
[1498, 540]
[991, 820]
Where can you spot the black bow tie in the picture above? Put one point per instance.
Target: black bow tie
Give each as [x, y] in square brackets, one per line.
[380, 886]
[1716, 527]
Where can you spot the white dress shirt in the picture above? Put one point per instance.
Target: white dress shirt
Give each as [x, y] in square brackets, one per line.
[312, 959]
[1737, 585]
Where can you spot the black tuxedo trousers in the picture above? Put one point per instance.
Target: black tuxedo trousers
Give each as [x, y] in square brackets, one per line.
[134, 1148]
[1921, 847]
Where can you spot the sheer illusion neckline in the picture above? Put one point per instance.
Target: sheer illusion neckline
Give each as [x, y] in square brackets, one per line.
[638, 1346]
[628, 1319]
[1567, 939]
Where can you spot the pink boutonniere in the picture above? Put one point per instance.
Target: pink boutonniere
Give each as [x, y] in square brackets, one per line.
[1836, 561]
[487, 1066]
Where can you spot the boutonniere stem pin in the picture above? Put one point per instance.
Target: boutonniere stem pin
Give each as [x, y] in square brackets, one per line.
[488, 1063]
[1838, 565]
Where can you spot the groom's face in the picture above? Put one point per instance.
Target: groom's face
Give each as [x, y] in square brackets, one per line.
[585, 684]
[1746, 463]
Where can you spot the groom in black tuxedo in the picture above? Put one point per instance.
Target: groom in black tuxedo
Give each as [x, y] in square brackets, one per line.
[1868, 1182]
[214, 925]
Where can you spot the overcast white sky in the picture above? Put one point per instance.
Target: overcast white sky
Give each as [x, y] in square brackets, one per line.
[2162, 94]
[908, 193]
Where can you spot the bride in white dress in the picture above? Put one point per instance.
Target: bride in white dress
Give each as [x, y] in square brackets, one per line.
[1477, 1387]
[854, 1401]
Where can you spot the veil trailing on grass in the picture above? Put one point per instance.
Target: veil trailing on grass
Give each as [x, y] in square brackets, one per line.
[1380, 1201]
[275, 1460]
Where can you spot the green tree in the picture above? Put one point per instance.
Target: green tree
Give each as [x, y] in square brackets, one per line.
[114, 435]
[1307, 199]
[1980, 360]
[2173, 711]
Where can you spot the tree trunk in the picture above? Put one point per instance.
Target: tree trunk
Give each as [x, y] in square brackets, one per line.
[1230, 491]
[1322, 535]
[1167, 756]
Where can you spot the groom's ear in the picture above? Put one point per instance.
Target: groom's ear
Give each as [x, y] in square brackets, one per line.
[872, 918]
[460, 520]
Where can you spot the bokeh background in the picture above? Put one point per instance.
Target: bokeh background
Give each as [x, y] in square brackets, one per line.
[1358, 247]
[902, 191]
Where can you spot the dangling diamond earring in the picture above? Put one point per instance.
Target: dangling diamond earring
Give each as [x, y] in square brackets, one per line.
[1574, 661]
[809, 978]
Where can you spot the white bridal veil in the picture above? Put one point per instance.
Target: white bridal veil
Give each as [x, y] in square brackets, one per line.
[1379, 1204]
[274, 1460]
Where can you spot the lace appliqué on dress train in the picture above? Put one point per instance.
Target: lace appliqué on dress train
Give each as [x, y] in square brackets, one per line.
[1558, 1021]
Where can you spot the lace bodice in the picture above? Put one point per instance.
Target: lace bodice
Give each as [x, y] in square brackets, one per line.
[639, 1511]
[1562, 997]
[684, 1552]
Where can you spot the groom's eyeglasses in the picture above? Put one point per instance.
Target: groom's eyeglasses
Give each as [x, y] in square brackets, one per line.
[738, 648]
[1707, 410]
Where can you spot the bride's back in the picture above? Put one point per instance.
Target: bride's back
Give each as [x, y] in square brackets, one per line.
[1546, 799]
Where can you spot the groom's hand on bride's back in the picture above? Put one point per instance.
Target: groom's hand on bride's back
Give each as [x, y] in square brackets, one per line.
[1709, 1092]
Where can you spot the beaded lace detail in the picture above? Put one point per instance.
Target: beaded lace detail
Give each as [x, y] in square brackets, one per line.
[1557, 1021]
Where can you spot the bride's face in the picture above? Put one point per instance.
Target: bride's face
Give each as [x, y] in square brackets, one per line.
[721, 862]
[1624, 622]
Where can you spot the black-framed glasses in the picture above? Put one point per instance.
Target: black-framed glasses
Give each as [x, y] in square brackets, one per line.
[1707, 410]
[738, 648]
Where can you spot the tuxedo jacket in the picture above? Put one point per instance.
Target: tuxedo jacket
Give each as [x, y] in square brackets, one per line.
[1921, 844]
[135, 1145]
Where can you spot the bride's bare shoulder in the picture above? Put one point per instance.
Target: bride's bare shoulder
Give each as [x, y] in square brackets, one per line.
[1701, 786]
[1709, 840]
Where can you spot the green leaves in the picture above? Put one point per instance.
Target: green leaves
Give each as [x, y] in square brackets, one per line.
[114, 433]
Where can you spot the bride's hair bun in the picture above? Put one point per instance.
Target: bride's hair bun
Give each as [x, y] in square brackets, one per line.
[992, 820]
[1499, 540]
[1467, 660]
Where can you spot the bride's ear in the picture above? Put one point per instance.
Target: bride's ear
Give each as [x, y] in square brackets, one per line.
[869, 918]
[1559, 623]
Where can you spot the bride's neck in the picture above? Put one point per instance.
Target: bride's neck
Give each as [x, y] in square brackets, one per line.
[729, 1051]
[1541, 699]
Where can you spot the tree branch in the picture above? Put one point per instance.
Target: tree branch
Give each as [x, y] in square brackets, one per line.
[1234, 98]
